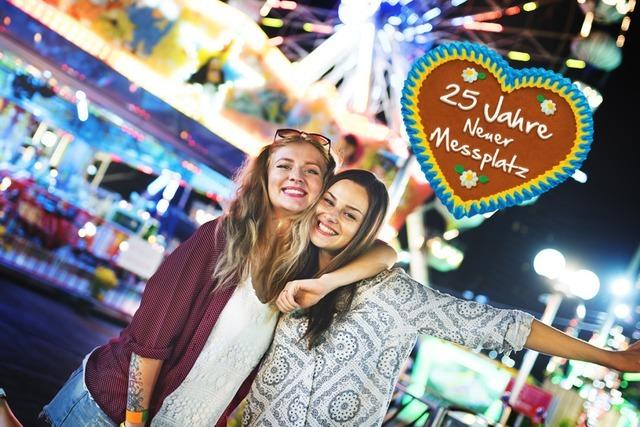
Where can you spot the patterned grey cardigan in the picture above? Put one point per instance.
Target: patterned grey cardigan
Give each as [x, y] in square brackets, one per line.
[349, 377]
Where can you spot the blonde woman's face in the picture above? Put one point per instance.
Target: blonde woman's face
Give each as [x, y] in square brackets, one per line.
[295, 177]
[339, 215]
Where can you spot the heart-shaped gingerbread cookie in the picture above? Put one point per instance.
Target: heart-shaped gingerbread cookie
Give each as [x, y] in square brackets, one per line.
[488, 136]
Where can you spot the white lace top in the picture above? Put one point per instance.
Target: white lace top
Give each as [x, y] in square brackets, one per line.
[349, 377]
[235, 346]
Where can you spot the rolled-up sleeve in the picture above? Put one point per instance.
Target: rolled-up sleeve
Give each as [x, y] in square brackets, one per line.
[169, 295]
[464, 322]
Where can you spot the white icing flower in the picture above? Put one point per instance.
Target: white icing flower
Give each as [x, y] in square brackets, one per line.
[469, 75]
[468, 179]
[548, 107]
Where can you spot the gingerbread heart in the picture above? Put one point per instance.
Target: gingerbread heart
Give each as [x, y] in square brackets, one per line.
[488, 136]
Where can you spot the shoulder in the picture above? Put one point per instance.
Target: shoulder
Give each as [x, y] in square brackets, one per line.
[211, 231]
[392, 291]
[386, 276]
[395, 282]
[211, 226]
[393, 275]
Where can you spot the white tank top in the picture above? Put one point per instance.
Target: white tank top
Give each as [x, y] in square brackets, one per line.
[235, 346]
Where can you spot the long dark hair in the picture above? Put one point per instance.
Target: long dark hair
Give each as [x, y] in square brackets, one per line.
[339, 301]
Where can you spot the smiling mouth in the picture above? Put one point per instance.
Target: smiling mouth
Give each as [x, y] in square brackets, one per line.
[325, 230]
[294, 192]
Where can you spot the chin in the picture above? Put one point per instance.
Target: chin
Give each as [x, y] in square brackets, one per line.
[317, 242]
[320, 242]
[294, 208]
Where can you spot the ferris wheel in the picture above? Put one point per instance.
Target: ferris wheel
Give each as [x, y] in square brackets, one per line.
[366, 47]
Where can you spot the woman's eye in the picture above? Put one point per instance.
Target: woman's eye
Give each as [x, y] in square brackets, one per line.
[283, 166]
[328, 201]
[350, 216]
[313, 171]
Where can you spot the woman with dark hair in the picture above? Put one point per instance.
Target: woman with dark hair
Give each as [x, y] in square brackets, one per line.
[337, 363]
[335, 243]
[207, 314]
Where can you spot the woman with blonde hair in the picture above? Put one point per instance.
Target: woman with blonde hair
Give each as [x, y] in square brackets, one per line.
[206, 316]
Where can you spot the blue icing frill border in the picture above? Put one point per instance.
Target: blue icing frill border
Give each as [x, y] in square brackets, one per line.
[510, 79]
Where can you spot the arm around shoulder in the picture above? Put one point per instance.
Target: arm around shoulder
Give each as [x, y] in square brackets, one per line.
[378, 258]
[307, 292]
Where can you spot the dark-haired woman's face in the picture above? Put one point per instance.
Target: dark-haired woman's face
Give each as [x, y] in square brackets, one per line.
[339, 215]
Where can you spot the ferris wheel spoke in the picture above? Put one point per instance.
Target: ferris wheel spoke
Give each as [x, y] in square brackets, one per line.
[304, 42]
[340, 70]
[380, 100]
[400, 68]
[331, 51]
[294, 50]
[362, 78]
[556, 35]
[541, 51]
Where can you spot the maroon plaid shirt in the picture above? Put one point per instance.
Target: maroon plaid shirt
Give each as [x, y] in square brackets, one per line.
[174, 320]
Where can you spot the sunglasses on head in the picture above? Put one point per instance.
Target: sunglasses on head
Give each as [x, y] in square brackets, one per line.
[285, 134]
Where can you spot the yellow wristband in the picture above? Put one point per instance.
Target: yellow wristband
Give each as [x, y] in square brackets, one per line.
[137, 417]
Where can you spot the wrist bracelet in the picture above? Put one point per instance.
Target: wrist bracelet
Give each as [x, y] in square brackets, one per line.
[137, 416]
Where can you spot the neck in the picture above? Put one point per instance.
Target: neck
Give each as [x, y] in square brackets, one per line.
[276, 224]
[324, 258]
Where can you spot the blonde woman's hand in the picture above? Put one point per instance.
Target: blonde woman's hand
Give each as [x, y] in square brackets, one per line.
[286, 301]
[301, 294]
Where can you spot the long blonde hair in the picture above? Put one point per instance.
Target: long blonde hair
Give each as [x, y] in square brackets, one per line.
[245, 229]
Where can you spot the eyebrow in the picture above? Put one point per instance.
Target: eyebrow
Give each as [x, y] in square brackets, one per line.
[348, 206]
[293, 161]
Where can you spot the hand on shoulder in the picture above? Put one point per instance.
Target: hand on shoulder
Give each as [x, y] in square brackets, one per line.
[302, 293]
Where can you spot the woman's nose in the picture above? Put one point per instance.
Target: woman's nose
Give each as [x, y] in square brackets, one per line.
[332, 215]
[295, 175]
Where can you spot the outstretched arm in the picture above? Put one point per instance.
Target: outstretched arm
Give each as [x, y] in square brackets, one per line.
[477, 325]
[305, 293]
[548, 340]
[143, 373]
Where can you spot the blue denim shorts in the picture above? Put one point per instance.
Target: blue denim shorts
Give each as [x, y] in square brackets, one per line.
[73, 406]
